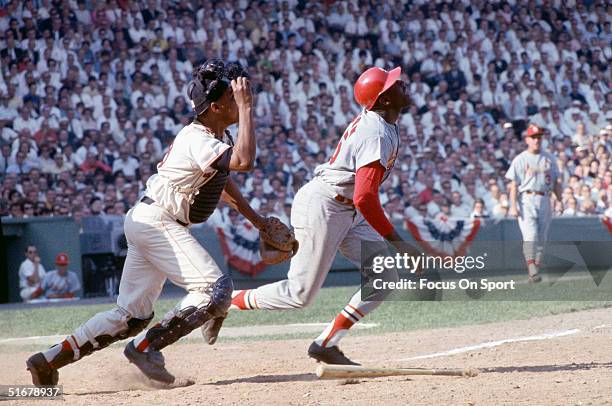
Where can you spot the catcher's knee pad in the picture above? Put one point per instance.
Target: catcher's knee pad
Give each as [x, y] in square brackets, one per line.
[220, 296]
[188, 319]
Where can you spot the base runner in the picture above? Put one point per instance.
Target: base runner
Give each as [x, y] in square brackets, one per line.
[338, 210]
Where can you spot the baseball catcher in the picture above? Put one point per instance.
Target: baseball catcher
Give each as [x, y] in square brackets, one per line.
[190, 180]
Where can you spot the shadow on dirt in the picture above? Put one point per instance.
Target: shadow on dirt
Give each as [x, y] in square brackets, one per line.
[548, 368]
[268, 379]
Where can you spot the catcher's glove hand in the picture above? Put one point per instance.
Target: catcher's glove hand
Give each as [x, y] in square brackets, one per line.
[277, 242]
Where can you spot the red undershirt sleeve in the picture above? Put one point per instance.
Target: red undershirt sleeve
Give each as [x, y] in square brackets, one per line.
[367, 183]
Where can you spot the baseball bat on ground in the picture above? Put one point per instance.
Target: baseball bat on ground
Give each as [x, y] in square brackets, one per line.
[325, 371]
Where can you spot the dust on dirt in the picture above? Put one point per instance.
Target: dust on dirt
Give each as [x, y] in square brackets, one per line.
[572, 369]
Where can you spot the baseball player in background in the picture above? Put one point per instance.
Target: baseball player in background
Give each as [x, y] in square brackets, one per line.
[31, 275]
[337, 210]
[533, 175]
[191, 178]
[61, 283]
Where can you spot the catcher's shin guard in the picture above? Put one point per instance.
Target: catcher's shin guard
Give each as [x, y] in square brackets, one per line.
[69, 351]
[191, 317]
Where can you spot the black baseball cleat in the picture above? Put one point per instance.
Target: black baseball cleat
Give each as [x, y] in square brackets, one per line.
[329, 355]
[150, 363]
[210, 329]
[42, 373]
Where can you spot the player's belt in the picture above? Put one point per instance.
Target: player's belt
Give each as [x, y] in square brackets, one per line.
[344, 200]
[148, 200]
[534, 192]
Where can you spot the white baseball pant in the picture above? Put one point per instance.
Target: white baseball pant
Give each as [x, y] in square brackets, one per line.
[158, 248]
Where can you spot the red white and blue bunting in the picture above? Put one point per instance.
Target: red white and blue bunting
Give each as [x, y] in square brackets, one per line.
[443, 236]
[240, 245]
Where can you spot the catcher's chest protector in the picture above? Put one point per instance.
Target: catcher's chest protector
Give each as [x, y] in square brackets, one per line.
[207, 198]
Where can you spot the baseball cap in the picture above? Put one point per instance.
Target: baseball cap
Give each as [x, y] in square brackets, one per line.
[62, 259]
[534, 131]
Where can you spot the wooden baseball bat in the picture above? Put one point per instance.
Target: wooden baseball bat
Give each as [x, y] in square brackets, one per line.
[325, 371]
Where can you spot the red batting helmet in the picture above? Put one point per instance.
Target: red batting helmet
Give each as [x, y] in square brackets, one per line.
[534, 131]
[372, 83]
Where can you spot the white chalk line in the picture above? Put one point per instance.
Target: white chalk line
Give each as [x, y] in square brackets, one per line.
[239, 331]
[491, 344]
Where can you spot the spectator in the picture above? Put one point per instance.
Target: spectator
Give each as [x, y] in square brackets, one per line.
[61, 283]
[31, 275]
[92, 164]
[479, 210]
[119, 75]
[20, 166]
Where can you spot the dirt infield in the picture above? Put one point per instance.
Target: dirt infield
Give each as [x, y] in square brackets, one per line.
[561, 359]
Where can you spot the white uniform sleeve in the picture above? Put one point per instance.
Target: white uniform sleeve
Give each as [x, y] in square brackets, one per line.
[512, 173]
[26, 269]
[371, 149]
[206, 150]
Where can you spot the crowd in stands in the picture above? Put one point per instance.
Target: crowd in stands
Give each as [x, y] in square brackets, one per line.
[92, 93]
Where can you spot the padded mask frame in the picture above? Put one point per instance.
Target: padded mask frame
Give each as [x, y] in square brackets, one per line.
[218, 75]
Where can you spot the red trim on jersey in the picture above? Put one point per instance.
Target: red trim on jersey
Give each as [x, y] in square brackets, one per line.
[367, 183]
[347, 133]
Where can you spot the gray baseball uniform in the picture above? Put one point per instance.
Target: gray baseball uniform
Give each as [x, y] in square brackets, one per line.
[325, 221]
[535, 176]
[56, 284]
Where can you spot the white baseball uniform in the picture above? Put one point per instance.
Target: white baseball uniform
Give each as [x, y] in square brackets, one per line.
[535, 176]
[185, 190]
[325, 221]
[26, 269]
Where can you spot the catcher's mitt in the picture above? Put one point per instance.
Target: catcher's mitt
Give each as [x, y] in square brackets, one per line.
[277, 242]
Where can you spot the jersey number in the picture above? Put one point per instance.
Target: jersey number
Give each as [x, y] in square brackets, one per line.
[347, 133]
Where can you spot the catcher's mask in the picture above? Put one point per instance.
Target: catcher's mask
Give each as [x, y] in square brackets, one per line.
[210, 80]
